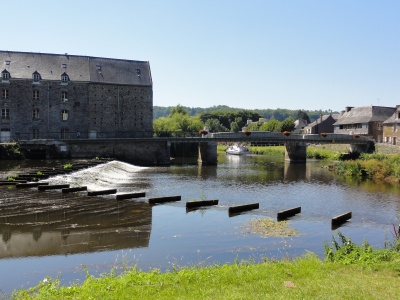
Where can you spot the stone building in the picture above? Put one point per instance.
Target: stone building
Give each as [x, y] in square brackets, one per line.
[364, 120]
[391, 128]
[62, 96]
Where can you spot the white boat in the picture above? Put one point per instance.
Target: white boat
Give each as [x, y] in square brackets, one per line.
[237, 149]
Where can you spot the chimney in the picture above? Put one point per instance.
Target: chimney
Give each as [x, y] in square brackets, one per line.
[348, 108]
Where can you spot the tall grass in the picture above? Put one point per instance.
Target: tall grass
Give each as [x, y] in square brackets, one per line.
[378, 167]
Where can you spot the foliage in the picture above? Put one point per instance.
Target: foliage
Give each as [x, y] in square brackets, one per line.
[302, 115]
[230, 119]
[10, 151]
[346, 251]
[279, 114]
[268, 150]
[372, 166]
[67, 166]
[322, 153]
[214, 125]
[39, 173]
[272, 125]
[178, 121]
[287, 124]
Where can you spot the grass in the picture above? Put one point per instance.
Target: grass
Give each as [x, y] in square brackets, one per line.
[349, 271]
[304, 278]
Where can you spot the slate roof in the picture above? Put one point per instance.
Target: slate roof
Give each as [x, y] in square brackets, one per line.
[393, 119]
[365, 114]
[324, 117]
[21, 65]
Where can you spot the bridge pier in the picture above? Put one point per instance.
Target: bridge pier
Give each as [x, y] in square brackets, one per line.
[363, 148]
[296, 152]
[208, 153]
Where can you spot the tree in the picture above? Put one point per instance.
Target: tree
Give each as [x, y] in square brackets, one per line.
[214, 125]
[303, 115]
[179, 109]
[287, 124]
[272, 125]
[177, 121]
[235, 127]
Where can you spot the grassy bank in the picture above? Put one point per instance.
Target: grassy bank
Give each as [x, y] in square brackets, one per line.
[313, 151]
[349, 271]
[377, 167]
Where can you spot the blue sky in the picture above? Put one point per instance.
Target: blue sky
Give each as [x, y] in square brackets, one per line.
[247, 54]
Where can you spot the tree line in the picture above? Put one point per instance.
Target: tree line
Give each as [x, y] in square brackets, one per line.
[223, 118]
[279, 114]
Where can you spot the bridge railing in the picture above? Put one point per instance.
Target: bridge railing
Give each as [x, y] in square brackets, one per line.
[218, 136]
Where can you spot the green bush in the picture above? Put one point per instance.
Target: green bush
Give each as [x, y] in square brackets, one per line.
[347, 252]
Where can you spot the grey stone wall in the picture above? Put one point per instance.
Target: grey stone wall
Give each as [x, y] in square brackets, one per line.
[126, 110]
[139, 152]
[109, 110]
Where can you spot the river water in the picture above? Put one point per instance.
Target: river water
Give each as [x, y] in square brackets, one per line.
[64, 235]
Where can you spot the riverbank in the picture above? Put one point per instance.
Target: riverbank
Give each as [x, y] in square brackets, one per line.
[349, 272]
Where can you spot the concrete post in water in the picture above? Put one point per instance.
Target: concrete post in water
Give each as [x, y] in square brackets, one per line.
[296, 152]
[208, 153]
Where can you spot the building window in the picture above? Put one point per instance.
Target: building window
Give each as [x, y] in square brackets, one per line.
[35, 113]
[36, 76]
[64, 115]
[5, 113]
[64, 96]
[64, 133]
[64, 66]
[5, 75]
[5, 93]
[36, 95]
[35, 133]
[138, 72]
[64, 78]
[395, 127]
[379, 126]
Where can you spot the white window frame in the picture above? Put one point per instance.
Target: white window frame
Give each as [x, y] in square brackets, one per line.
[64, 115]
[36, 77]
[64, 96]
[6, 93]
[5, 75]
[64, 78]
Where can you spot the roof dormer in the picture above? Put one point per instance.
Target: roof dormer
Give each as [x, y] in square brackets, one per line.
[5, 76]
[64, 78]
[36, 77]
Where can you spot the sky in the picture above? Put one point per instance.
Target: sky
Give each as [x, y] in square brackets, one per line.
[254, 54]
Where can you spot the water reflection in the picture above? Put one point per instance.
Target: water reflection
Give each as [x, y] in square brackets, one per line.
[72, 226]
[34, 223]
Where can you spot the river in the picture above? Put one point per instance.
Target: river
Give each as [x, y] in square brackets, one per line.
[48, 233]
